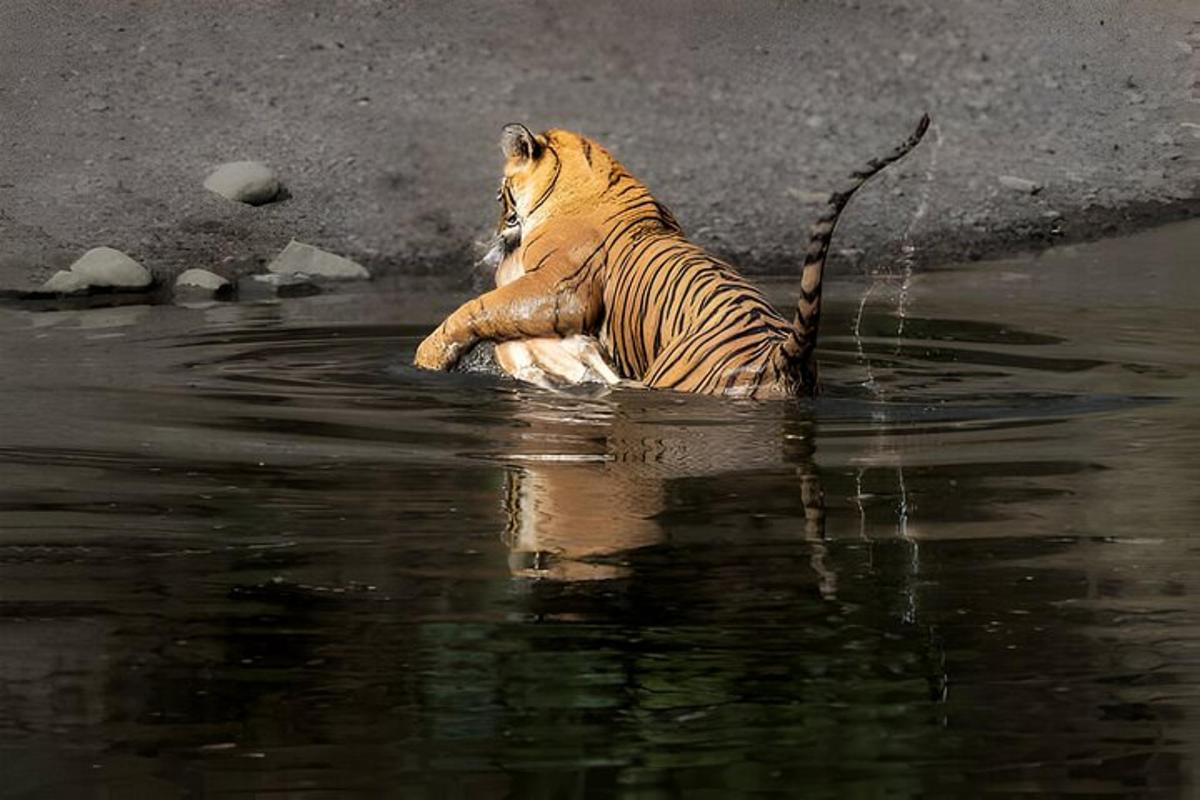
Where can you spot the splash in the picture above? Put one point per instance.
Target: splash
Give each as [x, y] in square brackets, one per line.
[901, 280]
[908, 250]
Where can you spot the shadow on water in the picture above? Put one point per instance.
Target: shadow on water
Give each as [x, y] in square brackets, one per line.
[244, 550]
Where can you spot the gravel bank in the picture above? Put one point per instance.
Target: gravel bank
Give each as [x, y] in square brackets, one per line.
[382, 123]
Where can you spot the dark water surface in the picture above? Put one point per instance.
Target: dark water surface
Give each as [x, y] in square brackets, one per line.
[246, 551]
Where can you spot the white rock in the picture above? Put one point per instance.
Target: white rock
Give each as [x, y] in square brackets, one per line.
[104, 266]
[251, 182]
[1020, 184]
[300, 257]
[201, 279]
[63, 282]
[281, 279]
[292, 284]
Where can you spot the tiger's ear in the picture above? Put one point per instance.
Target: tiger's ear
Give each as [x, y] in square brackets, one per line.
[518, 142]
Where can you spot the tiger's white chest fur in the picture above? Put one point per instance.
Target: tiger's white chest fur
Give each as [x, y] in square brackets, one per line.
[549, 362]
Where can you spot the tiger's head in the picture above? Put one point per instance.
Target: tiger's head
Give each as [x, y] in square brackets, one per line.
[555, 174]
[561, 177]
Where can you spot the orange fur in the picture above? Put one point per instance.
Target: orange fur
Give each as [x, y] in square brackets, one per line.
[599, 256]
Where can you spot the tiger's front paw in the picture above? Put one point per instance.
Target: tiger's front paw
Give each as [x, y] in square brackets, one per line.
[436, 352]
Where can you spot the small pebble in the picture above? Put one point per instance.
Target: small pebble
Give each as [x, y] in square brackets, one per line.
[250, 182]
[1020, 184]
[295, 284]
[200, 284]
[201, 279]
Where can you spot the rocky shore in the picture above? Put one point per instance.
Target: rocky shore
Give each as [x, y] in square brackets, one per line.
[208, 136]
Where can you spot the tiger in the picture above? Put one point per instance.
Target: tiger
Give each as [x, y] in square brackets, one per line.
[600, 256]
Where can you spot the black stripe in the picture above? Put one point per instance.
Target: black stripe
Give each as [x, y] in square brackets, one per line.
[755, 339]
[717, 327]
[553, 181]
[614, 176]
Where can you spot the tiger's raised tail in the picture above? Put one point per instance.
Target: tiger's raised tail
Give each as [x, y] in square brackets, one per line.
[800, 347]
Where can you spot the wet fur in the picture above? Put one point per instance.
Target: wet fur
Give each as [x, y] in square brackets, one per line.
[591, 252]
[547, 361]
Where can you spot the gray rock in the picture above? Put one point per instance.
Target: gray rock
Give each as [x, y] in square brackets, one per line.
[298, 257]
[1020, 184]
[292, 284]
[64, 282]
[250, 182]
[106, 267]
[200, 279]
[200, 284]
[480, 358]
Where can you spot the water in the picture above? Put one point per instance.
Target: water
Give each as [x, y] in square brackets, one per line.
[245, 550]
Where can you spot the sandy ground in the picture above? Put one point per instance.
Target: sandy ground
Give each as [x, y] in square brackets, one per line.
[382, 120]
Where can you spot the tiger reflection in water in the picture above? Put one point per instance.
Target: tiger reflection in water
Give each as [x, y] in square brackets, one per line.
[590, 479]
